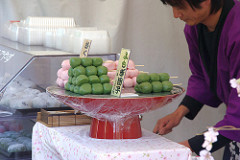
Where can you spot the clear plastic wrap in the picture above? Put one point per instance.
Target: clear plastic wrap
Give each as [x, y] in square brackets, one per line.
[111, 108]
[122, 113]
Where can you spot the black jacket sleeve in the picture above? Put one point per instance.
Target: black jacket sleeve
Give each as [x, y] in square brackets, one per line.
[193, 105]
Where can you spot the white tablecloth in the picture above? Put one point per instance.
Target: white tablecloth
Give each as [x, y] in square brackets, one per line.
[74, 143]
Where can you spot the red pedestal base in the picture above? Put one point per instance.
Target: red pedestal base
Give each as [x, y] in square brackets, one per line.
[128, 128]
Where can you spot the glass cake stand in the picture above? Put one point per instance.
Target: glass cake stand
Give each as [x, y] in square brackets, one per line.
[112, 117]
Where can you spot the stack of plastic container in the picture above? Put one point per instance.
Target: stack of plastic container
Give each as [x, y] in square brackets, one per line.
[32, 30]
[59, 33]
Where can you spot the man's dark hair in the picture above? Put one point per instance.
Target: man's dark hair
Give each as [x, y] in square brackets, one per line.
[215, 4]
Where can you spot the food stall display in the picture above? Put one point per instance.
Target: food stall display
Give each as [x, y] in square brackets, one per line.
[113, 117]
[28, 72]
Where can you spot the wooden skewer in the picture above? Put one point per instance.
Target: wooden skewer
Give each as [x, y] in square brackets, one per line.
[229, 128]
[226, 128]
[143, 72]
[173, 76]
[137, 65]
[116, 70]
[178, 84]
[108, 62]
[112, 70]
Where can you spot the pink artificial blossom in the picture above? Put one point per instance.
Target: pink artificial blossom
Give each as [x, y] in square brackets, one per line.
[211, 135]
[235, 83]
[207, 145]
[205, 155]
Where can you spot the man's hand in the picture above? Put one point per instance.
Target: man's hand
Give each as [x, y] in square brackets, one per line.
[167, 123]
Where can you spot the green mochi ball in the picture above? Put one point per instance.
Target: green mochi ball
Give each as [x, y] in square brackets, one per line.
[76, 89]
[79, 70]
[107, 88]
[97, 88]
[86, 88]
[145, 87]
[81, 79]
[167, 86]
[67, 86]
[86, 61]
[154, 77]
[94, 79]
[70, 72]
[102, 70]
[143, 77]
[164, 77]
[137, 88]
[104, 79]
[74, 80]
[91, 70]
[70, 80]
[72, 88]
[75, 61]
[157, 87]
[97, 61]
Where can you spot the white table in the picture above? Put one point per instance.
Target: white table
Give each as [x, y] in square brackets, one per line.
[73, 143]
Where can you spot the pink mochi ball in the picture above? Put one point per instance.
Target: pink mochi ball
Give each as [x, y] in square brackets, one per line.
[111, 74]
[64, 75]
[131, 64]
[60, 82]
[66, 64]
[59, 72]
[134, 79]
[128, 82]
[110, 65]
[133, 73]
